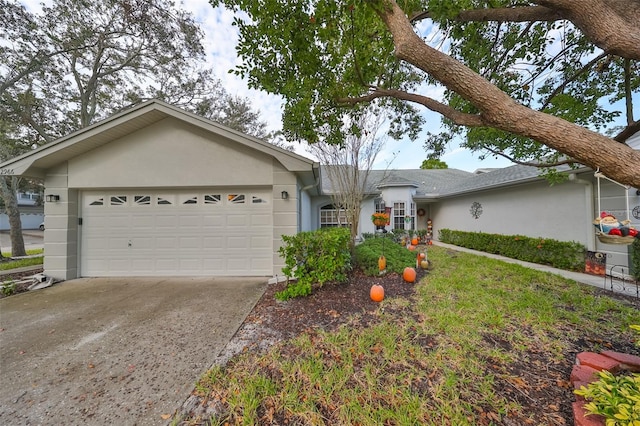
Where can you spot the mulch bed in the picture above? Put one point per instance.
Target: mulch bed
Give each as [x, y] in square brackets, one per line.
[538, 383]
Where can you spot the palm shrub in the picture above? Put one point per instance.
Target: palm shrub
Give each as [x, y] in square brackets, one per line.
[314, 257]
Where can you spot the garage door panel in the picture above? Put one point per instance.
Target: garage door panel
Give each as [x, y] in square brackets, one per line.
[260, 264]
[164, 220]
[165, 265]
[118, 243]
[142, 221]
[166, 242]
[237, 220]
[237, 243]
[143, 243]
[213, 243]
[213, 221]
[190, 221]
[213, 235]
[190, 242]
[143, 266]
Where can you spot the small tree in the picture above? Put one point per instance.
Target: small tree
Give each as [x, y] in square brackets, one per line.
[434, 163]
[348, 165]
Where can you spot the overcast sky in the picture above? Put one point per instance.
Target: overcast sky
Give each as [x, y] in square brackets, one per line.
[220, 42]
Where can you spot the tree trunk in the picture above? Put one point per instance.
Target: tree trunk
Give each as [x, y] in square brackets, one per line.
[11, 208]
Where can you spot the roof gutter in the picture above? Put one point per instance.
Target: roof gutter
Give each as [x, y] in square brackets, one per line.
[314, 167]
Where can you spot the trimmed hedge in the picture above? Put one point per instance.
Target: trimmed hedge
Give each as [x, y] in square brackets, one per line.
[559, 254]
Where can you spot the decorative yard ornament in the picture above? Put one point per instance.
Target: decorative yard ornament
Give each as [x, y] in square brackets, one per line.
[476, 209]
[610, 229]
[376, 293]
[382, 263]
[409, 274]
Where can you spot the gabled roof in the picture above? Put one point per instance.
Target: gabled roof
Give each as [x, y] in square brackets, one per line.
[434, 184]
[36, 162]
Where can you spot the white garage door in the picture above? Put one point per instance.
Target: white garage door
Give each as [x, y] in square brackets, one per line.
[195, 233]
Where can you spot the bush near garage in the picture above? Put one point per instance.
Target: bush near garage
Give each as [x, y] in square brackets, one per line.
[368, 252]
[568, 255]
[314, 258]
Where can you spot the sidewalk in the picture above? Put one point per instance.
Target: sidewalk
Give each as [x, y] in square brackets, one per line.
[628, 288]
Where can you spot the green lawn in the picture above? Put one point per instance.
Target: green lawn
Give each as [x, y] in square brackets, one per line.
[450, 356]
[20, 263]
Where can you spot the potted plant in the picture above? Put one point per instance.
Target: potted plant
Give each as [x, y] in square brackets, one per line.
[380, 219]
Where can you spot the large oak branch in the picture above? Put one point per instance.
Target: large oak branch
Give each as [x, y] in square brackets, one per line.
[612, 25]
[498, 110]
[460, 118]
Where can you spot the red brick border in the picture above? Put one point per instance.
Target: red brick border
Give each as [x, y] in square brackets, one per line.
[584, 372]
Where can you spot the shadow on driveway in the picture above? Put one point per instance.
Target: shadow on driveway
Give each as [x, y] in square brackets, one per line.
[107, 351]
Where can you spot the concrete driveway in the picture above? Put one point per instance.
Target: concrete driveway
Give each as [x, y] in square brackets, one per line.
[105, 351]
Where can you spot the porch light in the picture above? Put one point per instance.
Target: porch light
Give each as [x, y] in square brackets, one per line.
[51, 198]
[285, 195]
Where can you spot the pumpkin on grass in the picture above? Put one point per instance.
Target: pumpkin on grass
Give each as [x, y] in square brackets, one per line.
[376, 293]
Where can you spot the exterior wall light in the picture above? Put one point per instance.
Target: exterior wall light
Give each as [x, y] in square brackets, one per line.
[285, 195]
[51, 198]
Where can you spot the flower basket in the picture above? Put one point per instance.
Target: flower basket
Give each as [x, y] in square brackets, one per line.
[380, 219]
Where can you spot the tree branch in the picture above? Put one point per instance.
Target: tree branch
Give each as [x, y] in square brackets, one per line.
[530, 163]
[502, 14]
[578, 73]
[460, 118]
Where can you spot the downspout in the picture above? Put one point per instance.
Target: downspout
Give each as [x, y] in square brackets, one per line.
[588, 192]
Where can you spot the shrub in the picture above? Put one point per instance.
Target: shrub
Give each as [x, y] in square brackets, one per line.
[616, 398]
[398, 257]
[567, 255]
[315, 257]
[8, 288]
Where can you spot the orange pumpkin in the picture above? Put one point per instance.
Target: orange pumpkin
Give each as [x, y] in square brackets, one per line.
[414, 241]
[411, 247]
[377, 293]
[422, 255]
[409, 274]
[382, 263]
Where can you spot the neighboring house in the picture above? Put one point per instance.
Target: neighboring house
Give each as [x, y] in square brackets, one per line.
[155, 190]
[31, 211]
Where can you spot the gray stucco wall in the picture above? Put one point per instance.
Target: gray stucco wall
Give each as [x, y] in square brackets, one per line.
[562, 212]
[170, 153]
